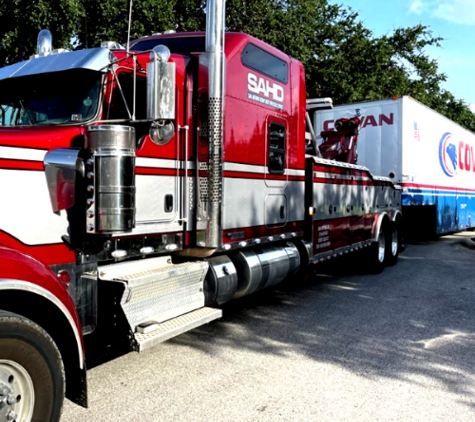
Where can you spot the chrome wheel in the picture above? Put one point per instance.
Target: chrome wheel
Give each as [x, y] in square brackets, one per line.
[394, 242]
[393, 245]
[377, 253]
[17, 396]
[381, 247]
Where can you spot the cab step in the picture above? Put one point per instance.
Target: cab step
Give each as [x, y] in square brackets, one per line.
[157, 291]
[150, 334]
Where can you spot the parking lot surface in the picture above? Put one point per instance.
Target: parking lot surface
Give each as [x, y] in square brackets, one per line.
[340, 346]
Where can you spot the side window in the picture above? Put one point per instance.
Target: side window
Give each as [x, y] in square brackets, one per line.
[11, 115]
[118, 109]
[266, 63]
[276, 142]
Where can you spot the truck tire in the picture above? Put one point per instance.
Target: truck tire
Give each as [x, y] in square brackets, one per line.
[32, 380]
[392, 245]
[376, 254]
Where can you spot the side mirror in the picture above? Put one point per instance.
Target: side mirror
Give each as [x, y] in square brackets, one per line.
[160, 85]
[161, 133]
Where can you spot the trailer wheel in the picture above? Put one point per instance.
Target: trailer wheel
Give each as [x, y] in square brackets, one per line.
[377, 253]
[392, 245]
[32, 378]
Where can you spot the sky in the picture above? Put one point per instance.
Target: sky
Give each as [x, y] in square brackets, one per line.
[453, 20]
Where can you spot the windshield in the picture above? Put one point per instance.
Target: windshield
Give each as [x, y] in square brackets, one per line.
[178, 45]
[52, 98]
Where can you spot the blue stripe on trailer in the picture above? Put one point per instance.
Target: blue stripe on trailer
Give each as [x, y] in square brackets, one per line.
[455, 208]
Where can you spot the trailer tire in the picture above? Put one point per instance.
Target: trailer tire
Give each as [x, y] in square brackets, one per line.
[376, 254]
[32, 376]
[393, 245]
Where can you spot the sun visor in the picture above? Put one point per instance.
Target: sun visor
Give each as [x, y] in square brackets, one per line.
[97, 59]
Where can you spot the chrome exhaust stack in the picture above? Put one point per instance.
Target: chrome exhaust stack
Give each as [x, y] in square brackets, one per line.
[215, 18]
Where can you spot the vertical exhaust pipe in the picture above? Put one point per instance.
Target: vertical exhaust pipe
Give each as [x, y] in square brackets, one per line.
[215, 18]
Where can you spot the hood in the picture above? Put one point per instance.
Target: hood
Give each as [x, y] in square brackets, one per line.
[96, 59]
[42, 137]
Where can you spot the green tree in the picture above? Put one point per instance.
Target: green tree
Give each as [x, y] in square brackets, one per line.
[342, 58]
[21, 21]
[108, 20]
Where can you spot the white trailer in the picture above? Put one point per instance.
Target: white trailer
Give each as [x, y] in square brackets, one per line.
[430, 156]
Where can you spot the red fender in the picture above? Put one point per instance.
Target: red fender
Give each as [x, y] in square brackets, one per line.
[19, 271]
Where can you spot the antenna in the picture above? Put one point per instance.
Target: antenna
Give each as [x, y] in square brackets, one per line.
[130, 21]
[85, 25]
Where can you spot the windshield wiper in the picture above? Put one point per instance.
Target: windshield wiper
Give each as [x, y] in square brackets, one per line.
[27, 112]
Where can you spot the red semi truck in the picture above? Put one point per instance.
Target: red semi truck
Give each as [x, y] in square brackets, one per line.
[144, 188]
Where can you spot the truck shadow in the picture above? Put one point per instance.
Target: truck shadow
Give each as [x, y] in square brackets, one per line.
[413, 322]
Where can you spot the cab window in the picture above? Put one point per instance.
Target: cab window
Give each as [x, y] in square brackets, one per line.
[266, 63]
[276, 143]
[117, 109]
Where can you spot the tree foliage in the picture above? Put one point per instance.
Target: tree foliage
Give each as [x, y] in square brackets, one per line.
[21, 20]
[108, 20]
[342, 58]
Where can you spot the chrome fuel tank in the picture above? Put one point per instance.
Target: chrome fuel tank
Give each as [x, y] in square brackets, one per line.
[264, 267]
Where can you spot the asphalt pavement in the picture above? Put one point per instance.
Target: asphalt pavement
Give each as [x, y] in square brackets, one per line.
[340, 346]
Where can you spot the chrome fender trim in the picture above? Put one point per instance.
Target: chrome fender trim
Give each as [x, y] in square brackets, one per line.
[396, 214]
[377, 225]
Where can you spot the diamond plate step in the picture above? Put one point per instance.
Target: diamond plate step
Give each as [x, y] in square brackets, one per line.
[177, 326]
[156, 289]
